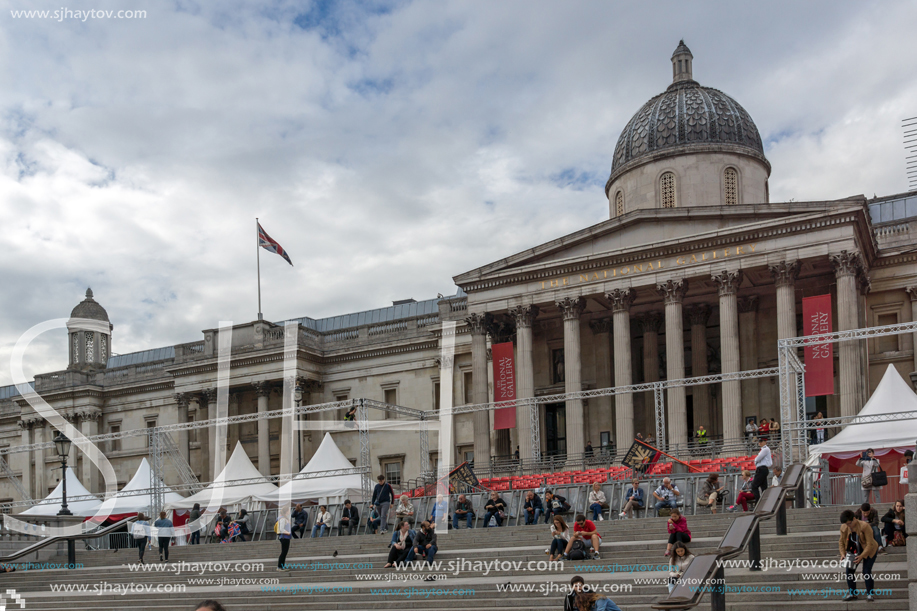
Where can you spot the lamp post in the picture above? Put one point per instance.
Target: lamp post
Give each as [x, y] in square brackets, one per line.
[297, 396]
[62, 443]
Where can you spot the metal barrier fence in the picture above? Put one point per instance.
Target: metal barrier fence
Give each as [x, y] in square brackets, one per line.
[844, 489]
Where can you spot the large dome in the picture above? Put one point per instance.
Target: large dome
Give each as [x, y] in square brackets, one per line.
[685, 118]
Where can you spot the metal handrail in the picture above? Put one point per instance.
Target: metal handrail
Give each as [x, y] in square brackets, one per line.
[57, 539]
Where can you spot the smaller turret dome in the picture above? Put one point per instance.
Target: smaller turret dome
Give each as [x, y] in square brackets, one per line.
[89, 308]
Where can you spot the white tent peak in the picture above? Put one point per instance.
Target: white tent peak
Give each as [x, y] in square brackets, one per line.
[328, 457]
[239, 466]
[331, 490]
[892, 396]
[51, 504]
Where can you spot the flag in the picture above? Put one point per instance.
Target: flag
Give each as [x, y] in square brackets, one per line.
[267, 243]
[640, 455]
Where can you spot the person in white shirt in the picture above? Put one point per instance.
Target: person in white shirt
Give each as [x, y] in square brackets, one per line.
[778, 475]
[908, 457]
[666, 495]
[322, 520]
[597, 502]
[763, 464]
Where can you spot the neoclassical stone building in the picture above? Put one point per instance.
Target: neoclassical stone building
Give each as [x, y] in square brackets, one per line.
[694, 272]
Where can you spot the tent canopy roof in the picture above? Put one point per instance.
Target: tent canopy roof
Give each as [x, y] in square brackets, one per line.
[51, 504]
[892, 395]
[238, 467]
[328, 457]
[126, 502]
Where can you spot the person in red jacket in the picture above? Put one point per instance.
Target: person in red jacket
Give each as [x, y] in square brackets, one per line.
[764, 429]
[678, 530]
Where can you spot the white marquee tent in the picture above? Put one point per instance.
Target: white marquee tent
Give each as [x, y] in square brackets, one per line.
[238, 467]
[51, 504]
[327, 490]
[125, 502]
[892, 395]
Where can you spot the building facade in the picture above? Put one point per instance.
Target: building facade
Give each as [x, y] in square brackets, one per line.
[694, 272]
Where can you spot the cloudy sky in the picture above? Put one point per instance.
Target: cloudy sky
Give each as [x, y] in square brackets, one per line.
[388, 146]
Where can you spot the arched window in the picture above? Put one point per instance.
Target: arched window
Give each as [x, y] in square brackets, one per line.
[667, 190]
[619, 203]
[731, 186]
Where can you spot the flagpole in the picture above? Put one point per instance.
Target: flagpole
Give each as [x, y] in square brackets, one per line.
[258, 256]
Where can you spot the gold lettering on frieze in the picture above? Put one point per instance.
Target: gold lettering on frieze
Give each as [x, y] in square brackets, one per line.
[649, 266]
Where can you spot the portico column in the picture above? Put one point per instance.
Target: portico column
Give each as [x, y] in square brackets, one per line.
[208, 436]
[182, 400]
[525, 376]
[477, 325]
[41, 486]
[621, 300]
[846, 266]
[90, 426]
[572, 308]
[673, 291]
[728, 283]
[600, 417]
[748, 356]
[650, 323]
[25, 458]
[698, 316]
[263, 390]
[785, 274]
[912, 293]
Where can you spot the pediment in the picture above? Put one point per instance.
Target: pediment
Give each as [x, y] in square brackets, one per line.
[658, 230]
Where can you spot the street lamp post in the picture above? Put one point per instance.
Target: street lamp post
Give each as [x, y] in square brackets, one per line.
[62, 444]
[297, 396]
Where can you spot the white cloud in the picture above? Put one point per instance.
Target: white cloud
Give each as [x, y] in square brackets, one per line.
[387, 147]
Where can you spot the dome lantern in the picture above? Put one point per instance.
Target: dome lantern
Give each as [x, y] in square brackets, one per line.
[89, 335]
[681, 63]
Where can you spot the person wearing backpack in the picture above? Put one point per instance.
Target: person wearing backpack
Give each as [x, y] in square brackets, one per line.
[584, 530]
[140, 530]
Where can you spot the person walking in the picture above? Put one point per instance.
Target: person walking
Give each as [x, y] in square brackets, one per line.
[283, 528]
[194, 516]
[763, 463]
[163, 535]
[858, 548]
[383, 495]
[677, 526]
[140, 531]
[870, 464]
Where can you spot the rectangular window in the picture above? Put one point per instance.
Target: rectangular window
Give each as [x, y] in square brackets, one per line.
[436, 391]
[150, 424]
[467, 388]
[115, 444]
[888, 343]
[341, 412]
[469, 455]
[192, 433]
[393, 473]
[391, 397]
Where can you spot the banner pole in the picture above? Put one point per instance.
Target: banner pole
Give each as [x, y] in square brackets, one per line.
[643, 443]
[258, 257]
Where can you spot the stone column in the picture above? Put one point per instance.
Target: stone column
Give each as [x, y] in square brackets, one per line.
[846, 267]
[41, 486]
[90, 426]
[207, 409]
[912, 293]
[525, 376]
[865, 286]
[572, 308]
[599, 412]
[728, 283]
[785, 274]
[232, 430]
[621, 300]
[698, 316]
[748, 355]
[650, 324]
[182, 400]
[477, 325]
[263, 390]
[673, 292]
[25, 458]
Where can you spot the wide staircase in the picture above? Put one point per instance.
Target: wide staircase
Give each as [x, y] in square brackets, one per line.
[631, 556]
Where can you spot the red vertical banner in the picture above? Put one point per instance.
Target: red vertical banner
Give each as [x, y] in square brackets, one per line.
[816, 317]
[504, 384]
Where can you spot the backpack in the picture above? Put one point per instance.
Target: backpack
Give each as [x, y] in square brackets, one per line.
[577, 550]
[138, 531]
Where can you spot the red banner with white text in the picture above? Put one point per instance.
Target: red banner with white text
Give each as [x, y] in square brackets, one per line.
[819, 358]
[504, 384]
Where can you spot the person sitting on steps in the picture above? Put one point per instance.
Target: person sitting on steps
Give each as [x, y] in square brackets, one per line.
[666, 495]
[495, 508]
[745, 494]
[711, 492]
[555, 505]
[300, 519]
[532, 507]
[584, 530]
[323, 520]
[350, 519]
[463, 510]
[597, 501]
[677, 526]
[401, 545]
[634, 499]
[560, 537]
